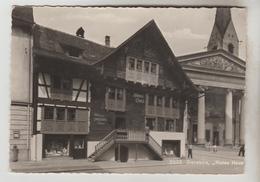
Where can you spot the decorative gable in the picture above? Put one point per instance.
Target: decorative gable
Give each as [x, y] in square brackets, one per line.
[217, 63]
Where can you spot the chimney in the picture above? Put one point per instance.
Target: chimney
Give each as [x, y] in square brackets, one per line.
[80, 32]
[107, 41]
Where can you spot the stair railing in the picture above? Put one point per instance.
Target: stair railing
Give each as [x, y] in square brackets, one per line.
[105, 140]
[154, 144]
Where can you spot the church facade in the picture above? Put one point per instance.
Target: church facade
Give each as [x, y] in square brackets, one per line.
[217, 115]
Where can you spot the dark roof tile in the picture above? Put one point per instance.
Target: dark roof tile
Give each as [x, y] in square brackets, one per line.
[55, 41]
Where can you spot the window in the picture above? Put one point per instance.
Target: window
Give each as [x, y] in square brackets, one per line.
[146, 67]
[175, 103]
[56, 82]
[151, 100]
[111, 93]
[139, 65]
[231, 48]
[48, 112]
[119, 94]
[131, 64]
[159, 101]
[167, 101]
[74, 52]
[62, 83]
[169, 125]
[60, 113]
[66, 84]
[153, 68]
[160, 124]
[150, 123]
[71, 114]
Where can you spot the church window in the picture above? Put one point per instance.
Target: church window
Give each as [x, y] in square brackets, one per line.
[231, 48]
[215, 47]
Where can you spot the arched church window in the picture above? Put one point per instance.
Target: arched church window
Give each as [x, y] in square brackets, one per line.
[231, 48]
[214, 47]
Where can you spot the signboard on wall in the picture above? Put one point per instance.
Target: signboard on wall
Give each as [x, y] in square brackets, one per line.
[139, 98]
[99, 119]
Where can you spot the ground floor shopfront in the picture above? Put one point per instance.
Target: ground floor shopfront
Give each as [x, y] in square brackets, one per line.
[64, 145]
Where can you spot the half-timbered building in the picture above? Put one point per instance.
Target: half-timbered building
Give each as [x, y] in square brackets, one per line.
[88, 100]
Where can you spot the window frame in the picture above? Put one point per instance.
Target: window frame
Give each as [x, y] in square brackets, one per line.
[155, 68]
[139, 65]
[57, 112]
[130, 62]
[151, 96]
[45, 111]
[68, 114]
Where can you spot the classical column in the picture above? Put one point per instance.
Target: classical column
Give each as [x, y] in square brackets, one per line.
[237, 120]
[228, 118]
[242, 120]
[201, 118]
[185, 121]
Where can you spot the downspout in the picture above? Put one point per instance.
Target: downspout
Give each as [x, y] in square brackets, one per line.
[30, 92]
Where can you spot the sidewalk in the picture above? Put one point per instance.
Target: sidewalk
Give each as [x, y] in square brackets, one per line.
[69, 165]
[180, 165]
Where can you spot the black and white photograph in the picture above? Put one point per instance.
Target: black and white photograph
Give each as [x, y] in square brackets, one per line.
[130, 91]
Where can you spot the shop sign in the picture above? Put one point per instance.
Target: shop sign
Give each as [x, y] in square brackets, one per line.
[100, 119]
[139, 98]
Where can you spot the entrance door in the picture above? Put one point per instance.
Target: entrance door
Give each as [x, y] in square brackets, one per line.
[215, 138]
[123, 151]
[120, 123]
[79, 151]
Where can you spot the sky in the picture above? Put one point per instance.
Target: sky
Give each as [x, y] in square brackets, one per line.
[187, 30]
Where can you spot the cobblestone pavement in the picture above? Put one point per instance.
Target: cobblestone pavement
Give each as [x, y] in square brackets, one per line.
[203, 162]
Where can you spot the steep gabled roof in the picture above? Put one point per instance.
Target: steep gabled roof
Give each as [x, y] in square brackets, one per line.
[174, 64]
[54, 42]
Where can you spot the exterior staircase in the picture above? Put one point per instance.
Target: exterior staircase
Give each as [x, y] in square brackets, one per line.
[126, 136]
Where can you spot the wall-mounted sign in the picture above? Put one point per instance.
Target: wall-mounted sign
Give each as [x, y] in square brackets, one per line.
[139, 98]
[99, 119]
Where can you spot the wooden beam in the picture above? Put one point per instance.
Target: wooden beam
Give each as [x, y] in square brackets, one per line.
[80, 88]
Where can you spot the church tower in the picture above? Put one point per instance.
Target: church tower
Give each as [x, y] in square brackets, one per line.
[223, 35]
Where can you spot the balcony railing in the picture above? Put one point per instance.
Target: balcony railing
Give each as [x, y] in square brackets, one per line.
[126, 136]
[115, 105]
[64, 127]
[163, 112]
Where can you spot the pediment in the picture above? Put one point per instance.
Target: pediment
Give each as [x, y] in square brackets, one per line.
[217, 62]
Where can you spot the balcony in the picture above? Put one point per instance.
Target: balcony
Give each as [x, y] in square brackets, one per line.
[115, 105]
[162, 111]
[64, 127]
